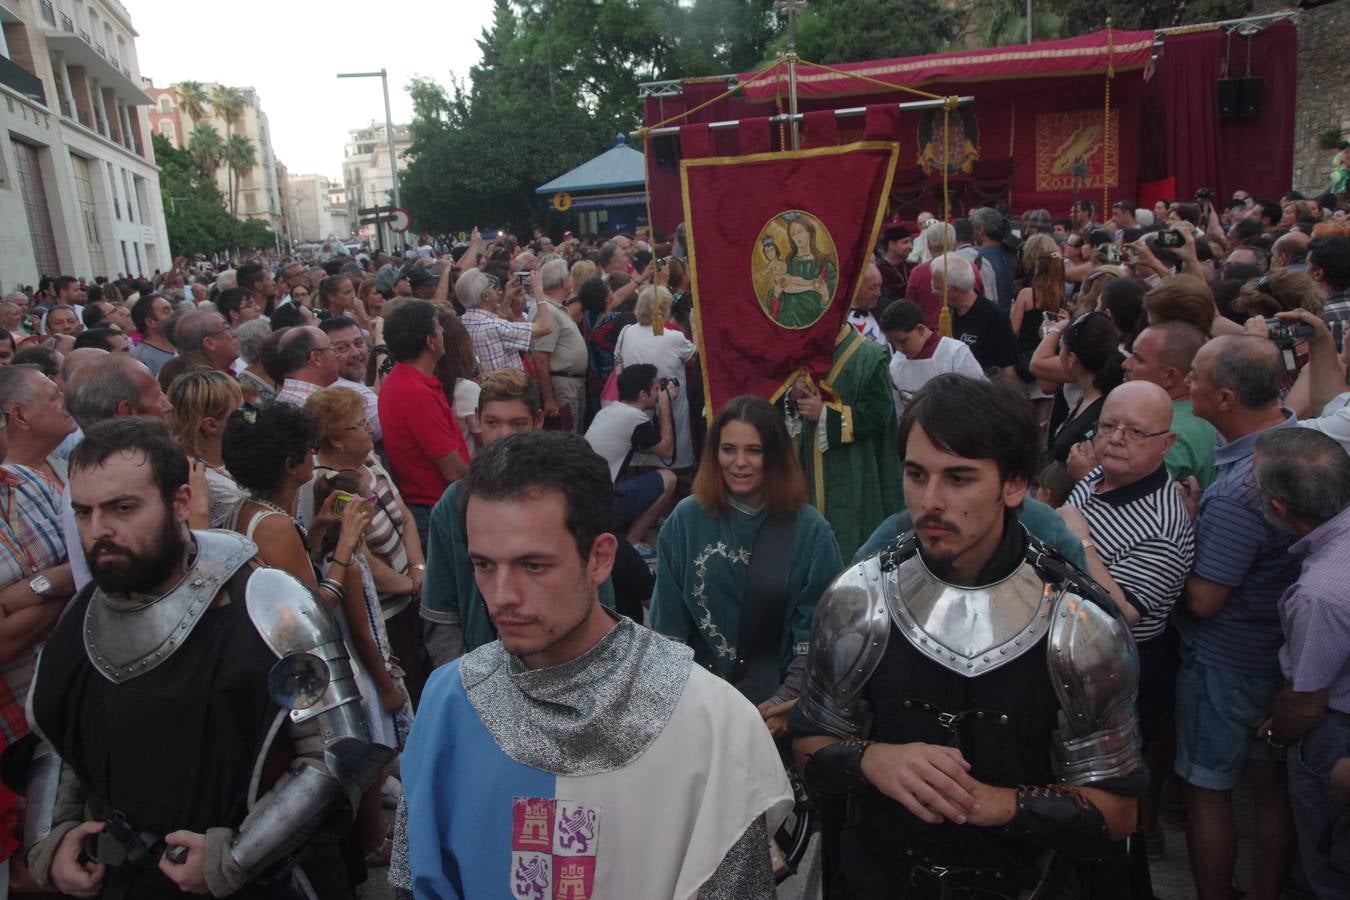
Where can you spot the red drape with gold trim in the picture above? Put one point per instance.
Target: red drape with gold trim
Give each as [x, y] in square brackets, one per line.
[777, 243]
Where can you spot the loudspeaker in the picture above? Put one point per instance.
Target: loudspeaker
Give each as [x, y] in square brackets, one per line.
[667, 150]
[1230, 94]
[1250, 105]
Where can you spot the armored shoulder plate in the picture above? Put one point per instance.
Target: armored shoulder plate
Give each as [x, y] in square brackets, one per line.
[287, 615]
[968, 630]
[125, 643]
[1094, 667]
[848, 639]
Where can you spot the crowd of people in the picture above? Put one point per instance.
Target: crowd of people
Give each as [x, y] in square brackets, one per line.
[355, 554]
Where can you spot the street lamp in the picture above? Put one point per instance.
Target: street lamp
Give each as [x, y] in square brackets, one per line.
[383, 75]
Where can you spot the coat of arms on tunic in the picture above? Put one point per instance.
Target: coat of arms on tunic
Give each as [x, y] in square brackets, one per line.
[795, 269]
[553, 849]
[1070, 152]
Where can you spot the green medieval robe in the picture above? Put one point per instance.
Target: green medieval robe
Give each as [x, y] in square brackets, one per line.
[702, 562]
[800, 308]
[450, 594]
[853, 472]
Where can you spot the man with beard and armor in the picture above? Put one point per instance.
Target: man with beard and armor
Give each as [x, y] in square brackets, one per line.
[969, 693]
[162, 695]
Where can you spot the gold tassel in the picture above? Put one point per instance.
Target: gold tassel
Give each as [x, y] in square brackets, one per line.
[945, 321]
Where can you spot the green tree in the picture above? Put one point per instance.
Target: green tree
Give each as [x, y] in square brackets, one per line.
[835, 31]
[241, 155]
[228, 103]
[194, 210]
[207, 149]
[192, 100]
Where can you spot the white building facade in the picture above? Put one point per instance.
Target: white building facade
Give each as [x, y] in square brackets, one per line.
[79, 188]
[311, 212]
[367, 175]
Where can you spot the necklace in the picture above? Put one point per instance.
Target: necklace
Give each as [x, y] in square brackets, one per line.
[268, 504]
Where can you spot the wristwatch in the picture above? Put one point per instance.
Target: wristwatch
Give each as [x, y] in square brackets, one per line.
[41, 585]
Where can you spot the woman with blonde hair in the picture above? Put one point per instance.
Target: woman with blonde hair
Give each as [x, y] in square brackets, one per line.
[649, 341]
[582, 271]
[202, 403]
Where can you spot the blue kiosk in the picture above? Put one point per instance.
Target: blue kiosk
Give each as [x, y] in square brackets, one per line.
[602, 196]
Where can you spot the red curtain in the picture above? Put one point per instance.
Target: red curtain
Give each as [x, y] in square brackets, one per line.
[1185, 139]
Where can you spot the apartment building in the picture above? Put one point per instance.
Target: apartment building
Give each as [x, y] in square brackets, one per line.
[79, 188]
[260, 188]
[311, 208]
[366, 172]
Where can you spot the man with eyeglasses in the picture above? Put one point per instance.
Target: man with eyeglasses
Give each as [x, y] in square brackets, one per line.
[238, 305]
[204, 341]
[353, 353]
[1139, 543]
[310, 364]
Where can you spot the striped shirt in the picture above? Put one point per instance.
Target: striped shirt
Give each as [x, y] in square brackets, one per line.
[1236, 546]
[32, 538]
[1145, 537]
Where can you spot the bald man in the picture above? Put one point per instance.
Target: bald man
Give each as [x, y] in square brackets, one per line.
[1139, 544]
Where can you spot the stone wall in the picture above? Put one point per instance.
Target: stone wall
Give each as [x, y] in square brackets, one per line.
[1323, 99]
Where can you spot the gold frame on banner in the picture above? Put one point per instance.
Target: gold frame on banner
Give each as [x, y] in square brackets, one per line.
[892, 146]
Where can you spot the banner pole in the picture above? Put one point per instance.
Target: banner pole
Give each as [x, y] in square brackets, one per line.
[791, 8]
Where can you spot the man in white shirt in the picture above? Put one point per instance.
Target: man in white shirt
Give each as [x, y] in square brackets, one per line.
[560, 356]
[626, 427]
[921, 353]
[353, 353]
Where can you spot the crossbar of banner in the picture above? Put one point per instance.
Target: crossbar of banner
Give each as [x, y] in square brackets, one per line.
[788, 117]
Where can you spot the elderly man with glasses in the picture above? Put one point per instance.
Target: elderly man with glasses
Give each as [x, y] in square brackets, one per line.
[1139, 543]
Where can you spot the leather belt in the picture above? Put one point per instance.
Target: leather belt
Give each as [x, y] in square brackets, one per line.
[566, 375]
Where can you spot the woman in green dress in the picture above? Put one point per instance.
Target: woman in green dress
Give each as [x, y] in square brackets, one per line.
[808, 287]
[748, 475]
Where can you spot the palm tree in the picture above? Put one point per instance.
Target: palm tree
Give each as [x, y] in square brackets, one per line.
[228, 103]
[207, 149]
[192, 100]
[241, 156]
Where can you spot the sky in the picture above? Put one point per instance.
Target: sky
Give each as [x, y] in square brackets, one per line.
[290, 51]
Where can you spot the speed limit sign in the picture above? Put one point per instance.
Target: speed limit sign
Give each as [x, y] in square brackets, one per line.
[399, 220]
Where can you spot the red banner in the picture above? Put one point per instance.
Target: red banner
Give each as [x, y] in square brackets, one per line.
[777, 245]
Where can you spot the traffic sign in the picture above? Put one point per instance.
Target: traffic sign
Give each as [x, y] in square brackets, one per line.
[562, 201]
[399, 220]
[375, 210]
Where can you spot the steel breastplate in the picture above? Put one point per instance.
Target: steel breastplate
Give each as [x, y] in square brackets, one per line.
[969, 630]
[122, 644]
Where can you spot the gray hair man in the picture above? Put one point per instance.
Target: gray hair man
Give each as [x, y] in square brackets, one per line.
[111, 385]
[498, 341]
[1304, 481]
[1230, 627]
[976, 321]
[309, 363]
[561, 353]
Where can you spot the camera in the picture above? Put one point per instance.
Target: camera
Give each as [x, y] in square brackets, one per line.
[342, 498]
[1170, 237]
[1204, 193]
[523, 277]
[667, 382]
[1284, 333]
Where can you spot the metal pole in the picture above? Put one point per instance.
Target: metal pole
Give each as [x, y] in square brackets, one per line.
[795, 125]
[389, 134]
[1028, 21]
[785, 117]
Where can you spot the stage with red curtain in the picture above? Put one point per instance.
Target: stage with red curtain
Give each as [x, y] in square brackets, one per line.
[1037, 134]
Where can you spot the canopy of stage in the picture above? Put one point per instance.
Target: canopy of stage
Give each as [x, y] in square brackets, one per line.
[1042, 129]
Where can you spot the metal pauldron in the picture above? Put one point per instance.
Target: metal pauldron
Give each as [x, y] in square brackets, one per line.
[1094, 670]
[44, 780]
[848, 640]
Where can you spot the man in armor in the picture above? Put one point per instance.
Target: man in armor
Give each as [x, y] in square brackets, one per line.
[202, 727]
[969, 693]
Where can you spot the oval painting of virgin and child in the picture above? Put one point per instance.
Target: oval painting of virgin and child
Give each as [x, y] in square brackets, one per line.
[795, 269]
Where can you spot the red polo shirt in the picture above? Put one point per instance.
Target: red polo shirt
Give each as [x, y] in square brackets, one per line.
[419, 428]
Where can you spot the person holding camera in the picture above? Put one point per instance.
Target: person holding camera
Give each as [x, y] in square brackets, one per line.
[641, 422]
